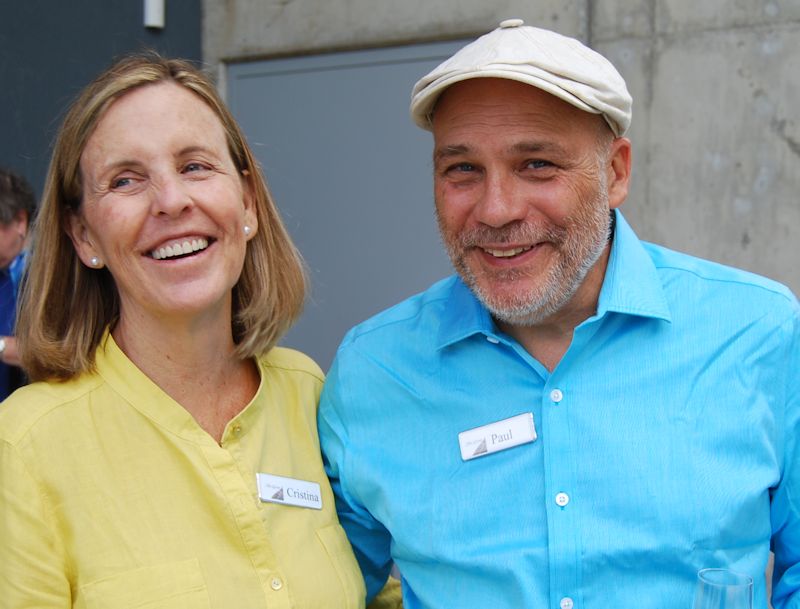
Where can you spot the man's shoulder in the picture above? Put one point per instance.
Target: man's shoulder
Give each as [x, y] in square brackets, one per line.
[681, 271]
[416, 315]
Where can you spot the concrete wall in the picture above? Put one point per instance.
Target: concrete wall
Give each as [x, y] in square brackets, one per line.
[716, 84]
[716, 126]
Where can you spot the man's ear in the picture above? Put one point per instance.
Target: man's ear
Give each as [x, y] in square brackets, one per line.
[21, 219]
[619, 171]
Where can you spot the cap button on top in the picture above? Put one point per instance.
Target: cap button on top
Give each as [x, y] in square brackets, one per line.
[511, 23]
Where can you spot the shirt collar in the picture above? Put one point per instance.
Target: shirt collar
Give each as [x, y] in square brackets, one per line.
[631, 286]
[465, 316]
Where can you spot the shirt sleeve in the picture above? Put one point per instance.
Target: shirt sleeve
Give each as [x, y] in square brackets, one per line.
[786, 497]
[391, 597]
[33, 573]
[369, 538]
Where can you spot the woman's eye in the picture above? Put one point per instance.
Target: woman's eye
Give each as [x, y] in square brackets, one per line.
[121, 182]
[193, 167]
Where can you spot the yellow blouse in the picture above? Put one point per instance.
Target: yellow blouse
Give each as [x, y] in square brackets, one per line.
[112, 496]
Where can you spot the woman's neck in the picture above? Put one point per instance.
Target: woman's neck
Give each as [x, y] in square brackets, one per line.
[192, 361]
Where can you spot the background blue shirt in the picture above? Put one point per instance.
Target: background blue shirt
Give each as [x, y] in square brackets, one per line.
[670, 426]
[10, 278]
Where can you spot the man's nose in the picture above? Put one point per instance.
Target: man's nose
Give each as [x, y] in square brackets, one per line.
[501, 202]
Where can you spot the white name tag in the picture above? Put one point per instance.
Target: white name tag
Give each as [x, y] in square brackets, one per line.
[289, 491]
[498, 436]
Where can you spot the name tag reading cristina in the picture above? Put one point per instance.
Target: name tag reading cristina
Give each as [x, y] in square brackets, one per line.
[498, 436]
[289, 491]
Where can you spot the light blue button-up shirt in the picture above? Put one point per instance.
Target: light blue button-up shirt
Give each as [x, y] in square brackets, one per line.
[667, 441]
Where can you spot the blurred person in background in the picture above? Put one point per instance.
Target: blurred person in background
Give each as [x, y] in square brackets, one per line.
[17, 207]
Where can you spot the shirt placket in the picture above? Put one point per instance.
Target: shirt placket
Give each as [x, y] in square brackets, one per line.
[245, 505]
[561, 496]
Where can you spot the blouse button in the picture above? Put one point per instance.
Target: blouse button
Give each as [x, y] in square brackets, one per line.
[276, 583]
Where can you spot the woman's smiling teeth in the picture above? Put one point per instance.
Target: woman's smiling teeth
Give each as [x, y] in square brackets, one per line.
[507, 253]
[179, 248]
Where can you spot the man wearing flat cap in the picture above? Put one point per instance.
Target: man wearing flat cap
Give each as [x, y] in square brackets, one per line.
[576, 419]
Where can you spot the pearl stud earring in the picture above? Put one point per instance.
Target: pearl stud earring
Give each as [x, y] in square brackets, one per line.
[247, 230]
[95, 261]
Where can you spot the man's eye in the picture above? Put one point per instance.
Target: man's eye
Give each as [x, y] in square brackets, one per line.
[460, 171]
[538, 164]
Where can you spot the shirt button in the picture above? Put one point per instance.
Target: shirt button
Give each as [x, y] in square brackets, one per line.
[276, 583]
[237, 430]
[562, 499]
[556, 395]
[493, 340]
[566, 603]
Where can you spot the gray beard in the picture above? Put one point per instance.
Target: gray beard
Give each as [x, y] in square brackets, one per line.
[579, 248]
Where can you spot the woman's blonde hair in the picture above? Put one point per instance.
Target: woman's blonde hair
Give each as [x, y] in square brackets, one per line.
[65, 307]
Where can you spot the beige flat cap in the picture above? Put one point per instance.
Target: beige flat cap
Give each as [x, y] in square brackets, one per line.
[562, 66]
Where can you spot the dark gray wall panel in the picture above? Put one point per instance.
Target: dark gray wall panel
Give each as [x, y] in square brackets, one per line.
[49, 50]
[352, 176]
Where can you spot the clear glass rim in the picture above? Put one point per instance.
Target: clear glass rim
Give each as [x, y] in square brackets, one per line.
[724, 577]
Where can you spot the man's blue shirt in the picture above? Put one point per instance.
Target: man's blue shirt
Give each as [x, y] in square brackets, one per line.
[667, 441]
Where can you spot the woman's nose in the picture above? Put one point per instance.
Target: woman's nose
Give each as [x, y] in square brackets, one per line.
[170, 195]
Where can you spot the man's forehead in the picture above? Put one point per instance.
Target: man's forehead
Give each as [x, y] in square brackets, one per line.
[521, 146]
[500, 97]
[525, 116]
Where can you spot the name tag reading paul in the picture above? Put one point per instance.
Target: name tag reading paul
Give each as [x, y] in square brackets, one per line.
[289, 491]
[498, 436]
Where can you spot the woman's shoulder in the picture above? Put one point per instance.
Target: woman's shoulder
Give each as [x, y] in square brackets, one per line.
[37, 402]
[292, 361]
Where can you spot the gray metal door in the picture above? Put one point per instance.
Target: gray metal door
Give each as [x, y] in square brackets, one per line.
[352, 176]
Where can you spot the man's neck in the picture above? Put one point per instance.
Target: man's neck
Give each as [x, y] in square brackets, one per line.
[548, 340]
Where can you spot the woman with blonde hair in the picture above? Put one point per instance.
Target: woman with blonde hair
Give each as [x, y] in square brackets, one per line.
[167, 454]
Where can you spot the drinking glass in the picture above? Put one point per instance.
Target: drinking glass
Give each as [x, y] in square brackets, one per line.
[723, 589]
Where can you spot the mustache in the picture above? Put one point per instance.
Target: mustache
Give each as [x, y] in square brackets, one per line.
[518, 233]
